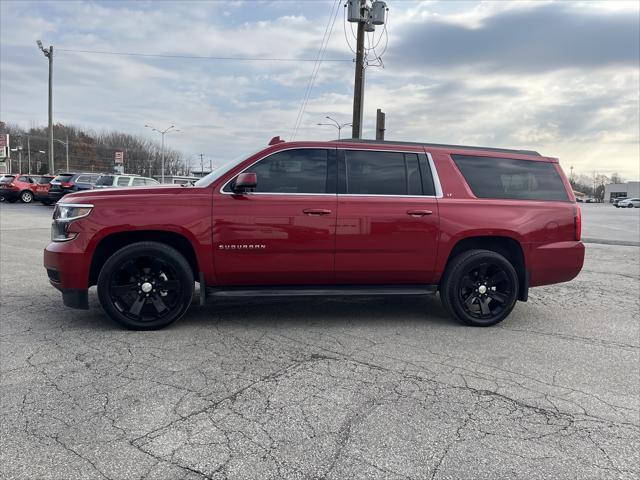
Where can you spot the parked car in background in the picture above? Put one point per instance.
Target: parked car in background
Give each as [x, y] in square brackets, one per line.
[41, 192]
[70, 183]
[480, 225]
[616, 202]
[110, 181]
[629, 203]
[17, 186]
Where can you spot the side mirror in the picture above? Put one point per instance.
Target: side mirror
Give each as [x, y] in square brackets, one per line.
[245, 182]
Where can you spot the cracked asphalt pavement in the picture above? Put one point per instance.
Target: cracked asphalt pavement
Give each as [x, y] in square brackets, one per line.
[331, 388]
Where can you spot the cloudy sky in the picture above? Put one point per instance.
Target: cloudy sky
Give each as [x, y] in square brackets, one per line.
[559, 77]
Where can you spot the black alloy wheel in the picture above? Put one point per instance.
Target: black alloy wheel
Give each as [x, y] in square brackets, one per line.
[480, 288]
[146, 286]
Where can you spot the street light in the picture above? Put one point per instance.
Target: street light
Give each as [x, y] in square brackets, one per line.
[48, 52]
[335, 123]
[162, 132]
[66, 144]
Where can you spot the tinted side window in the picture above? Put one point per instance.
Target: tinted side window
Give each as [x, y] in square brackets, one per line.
[383, 173]
[506, 178]
[292, 171]
[24, 179]
[83, 179]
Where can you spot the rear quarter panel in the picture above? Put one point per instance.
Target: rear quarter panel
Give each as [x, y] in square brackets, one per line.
[544, 229]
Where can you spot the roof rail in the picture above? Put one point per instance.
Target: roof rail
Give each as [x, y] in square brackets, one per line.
[437, 145]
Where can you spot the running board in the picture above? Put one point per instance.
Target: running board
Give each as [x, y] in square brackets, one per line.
[312, 291]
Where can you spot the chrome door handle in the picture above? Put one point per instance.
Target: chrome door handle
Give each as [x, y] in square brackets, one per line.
[315, 212]
[419, 213]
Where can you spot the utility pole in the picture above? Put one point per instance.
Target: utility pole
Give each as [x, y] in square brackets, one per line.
[358, 85]
[48, 52]
[380, 121]
[29, 152]
[367, 18]
[202, 164]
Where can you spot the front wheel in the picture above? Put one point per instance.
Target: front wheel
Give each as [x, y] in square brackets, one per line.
[26, 196]
[479, 288]
[145, 286]
[630, 205]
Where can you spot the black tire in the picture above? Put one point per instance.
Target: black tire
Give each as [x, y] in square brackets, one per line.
[46, 202]
[130, 286]
[630, 205]
[479, 288]
[26, 196]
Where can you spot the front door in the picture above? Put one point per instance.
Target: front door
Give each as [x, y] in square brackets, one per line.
[284, 232]
[388, 222]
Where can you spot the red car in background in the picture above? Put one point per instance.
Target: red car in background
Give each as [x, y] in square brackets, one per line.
[17, 186]
[41, 192]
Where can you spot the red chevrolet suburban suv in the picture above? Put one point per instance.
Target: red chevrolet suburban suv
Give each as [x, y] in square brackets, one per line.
[346, 217]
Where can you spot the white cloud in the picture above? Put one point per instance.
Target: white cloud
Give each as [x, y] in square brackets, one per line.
[581, 114]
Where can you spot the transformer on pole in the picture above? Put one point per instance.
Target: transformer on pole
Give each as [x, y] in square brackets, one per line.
[367, 17]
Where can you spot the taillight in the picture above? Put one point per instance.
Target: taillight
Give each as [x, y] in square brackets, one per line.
[577, 222]
[66, 184]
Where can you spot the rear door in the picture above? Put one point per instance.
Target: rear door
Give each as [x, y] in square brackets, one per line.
[284, 232]
[387, 227]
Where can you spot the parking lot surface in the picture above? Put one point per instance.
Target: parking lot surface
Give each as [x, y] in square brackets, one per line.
[603, 223]
[330, 388]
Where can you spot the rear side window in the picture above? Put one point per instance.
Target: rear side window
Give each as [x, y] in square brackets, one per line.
[292, 171]
[151, 181]
[514, 179]
[63, 178]
[123, 181]
[105, 181]
[25, 180]
[384, 173]
[7, 179]
[138, 182]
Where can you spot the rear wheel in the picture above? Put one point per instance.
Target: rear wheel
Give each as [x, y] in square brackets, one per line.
[26, 196]
[630, 205]
[479, 288]
[146, 286]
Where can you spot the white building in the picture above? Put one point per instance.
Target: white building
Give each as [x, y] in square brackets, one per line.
[628, 189]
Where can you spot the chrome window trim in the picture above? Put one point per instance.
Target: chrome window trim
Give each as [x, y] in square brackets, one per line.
[434, 175]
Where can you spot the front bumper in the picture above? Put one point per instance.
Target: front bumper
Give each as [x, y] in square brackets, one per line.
[68, 271]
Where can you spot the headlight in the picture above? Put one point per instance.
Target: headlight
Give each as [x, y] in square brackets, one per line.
[63, 215]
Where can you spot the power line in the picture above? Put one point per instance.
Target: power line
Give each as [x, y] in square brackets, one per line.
[316, 68]
[202, 57]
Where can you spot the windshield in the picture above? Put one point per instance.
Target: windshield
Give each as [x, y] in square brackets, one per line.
[221, 170]
[7, 179]
[105, 180]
